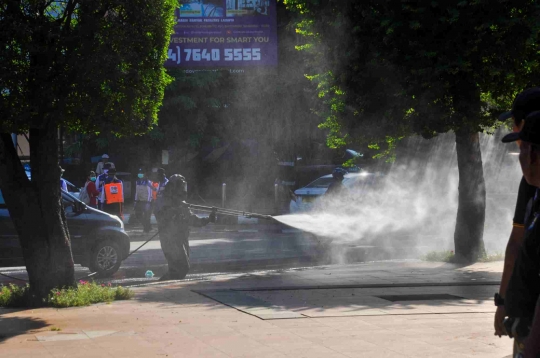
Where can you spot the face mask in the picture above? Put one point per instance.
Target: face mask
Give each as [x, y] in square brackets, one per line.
[93, 178]
[140, 175]
[105, 171]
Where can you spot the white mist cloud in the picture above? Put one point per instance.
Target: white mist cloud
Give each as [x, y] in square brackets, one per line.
[417, 199]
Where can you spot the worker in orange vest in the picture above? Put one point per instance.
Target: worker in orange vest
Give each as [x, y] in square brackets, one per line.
[112, 194]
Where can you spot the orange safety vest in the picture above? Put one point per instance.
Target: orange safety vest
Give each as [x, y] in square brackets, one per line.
[114, 193]
[154, 192]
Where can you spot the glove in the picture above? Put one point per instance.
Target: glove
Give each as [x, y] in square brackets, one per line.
[212, 217]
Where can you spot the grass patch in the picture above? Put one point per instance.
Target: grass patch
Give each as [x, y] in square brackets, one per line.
[448, 256]
[498, 256]
[438, 256]
[56, 329]
[85, 294]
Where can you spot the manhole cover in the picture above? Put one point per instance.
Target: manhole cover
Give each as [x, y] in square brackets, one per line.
[424, 297]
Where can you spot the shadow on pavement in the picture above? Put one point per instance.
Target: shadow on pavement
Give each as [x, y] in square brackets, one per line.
[330, 291]
[14, 326]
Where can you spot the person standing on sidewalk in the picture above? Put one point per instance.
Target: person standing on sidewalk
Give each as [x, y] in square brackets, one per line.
[99, 184]
[336, 187]
[159, 184]
[91, 189]
[526, 102]
[112, 195]
[101, 165]
[524, 285]
[174, 219]
[143, 200]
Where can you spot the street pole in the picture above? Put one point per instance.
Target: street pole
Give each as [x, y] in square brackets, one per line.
[276, 194]
[223, 194]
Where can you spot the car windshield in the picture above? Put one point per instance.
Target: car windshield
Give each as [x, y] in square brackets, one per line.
[320, 183]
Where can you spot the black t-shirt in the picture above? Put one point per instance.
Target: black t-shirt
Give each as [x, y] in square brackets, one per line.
[524, 286]
[525, 194]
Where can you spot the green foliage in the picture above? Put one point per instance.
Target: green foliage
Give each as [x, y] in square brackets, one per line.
[14, 296]
[86, 293]
[90, 66]
[391, 68]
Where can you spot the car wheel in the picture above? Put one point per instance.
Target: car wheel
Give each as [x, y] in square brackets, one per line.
[106, 258]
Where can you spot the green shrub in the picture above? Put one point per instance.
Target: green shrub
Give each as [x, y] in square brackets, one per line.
[86, 293]
[14, 296]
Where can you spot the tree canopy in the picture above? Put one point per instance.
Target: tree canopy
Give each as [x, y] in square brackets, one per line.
[90, 66]
[391, 68]
[385, 69]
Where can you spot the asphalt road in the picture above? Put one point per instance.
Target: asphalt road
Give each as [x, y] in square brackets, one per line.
[214, 250]
[222, 249]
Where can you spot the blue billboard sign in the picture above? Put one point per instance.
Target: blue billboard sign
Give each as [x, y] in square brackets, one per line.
[224, 34]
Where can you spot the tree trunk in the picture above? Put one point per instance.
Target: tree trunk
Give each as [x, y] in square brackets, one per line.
[37, 212]
[468, 235]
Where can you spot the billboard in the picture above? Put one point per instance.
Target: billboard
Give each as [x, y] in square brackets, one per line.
[224, 34]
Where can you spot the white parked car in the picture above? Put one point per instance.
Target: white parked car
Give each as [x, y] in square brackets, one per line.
[308, 195]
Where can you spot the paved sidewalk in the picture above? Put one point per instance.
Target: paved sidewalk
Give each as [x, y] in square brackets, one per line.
[380, 309]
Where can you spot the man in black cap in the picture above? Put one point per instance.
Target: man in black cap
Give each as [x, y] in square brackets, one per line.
[526, 102]
[524, 284]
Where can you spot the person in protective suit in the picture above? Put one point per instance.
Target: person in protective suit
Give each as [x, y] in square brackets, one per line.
[174, 219]
[336, 187]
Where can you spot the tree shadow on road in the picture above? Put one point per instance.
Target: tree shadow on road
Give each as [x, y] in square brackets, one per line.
[467, 290]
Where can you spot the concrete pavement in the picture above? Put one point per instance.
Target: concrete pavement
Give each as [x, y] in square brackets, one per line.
[378, 309]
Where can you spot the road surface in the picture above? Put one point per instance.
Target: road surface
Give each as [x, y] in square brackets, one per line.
[221, 249]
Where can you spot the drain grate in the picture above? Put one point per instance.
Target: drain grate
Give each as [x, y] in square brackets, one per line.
[424, 297]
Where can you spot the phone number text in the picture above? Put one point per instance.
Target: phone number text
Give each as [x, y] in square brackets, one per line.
[180, 55]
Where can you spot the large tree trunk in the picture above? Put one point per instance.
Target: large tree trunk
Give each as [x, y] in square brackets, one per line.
[36, 210]
[468, 235]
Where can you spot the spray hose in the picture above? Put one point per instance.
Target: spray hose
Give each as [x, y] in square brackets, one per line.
[93, 273]
[222, 211]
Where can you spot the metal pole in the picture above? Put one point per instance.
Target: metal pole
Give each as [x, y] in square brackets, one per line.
[223, 194]
[276, 195]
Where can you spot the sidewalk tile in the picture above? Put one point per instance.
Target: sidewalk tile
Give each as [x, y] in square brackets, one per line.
[315, 352]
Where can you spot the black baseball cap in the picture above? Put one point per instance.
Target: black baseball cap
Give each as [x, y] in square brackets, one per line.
[526, 102]
[530, 131]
